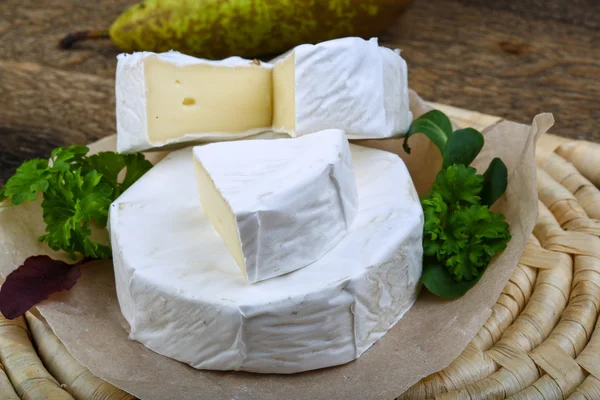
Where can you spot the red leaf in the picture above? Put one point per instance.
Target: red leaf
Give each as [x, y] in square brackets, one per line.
[35, 281]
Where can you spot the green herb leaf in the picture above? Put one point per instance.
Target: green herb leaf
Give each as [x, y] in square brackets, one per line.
[438, 281]
[63, 158]
[439, 119]
[458, 185]
[77, 191]
[32, 176]
[108, 164]
[433, 124]
[69, 209]
[435, 211]
[94, 198]
[473, 235]
[459, 233]
[462, 147]
[137, 166]
[495, 181]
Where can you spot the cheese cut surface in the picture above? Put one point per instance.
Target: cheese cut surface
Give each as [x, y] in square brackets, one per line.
[349, 84]
[284, 94]
[278, 205]
[184, 297]
[220, 214]
[171, 98]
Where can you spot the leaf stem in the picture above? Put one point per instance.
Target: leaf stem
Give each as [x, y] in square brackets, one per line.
[69, 40]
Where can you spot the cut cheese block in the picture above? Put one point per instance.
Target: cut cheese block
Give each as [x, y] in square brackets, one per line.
[172, 98]
[184, 297]
[278, 205]
[350, 84]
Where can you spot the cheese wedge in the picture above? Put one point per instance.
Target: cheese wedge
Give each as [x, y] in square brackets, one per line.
[350, 84]
[183, 296]
[281, 204]
[172, 98]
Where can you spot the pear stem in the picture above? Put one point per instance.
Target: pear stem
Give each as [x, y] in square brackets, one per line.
[68, 41]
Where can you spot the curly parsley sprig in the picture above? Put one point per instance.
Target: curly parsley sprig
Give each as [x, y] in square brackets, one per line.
[77, 189]
[460, 234]
[460, 231]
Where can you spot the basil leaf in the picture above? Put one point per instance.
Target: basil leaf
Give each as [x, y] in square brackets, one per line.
[440, 119]
[495, 181]
[438, 280]
[433, 124]
[462, 147]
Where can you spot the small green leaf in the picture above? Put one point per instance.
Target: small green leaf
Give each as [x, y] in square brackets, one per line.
[440, 119]
[64, 159]
[433, 124]
[96, 250]
[137, 166]
[68, 153]
[462, 147]
[107, 163]
[94, 198]
[495, 181]
[441, 283]
[435, 211]
[458, 185]
[32, 176]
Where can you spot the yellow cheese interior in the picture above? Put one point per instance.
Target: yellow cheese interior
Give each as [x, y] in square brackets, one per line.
[220, 214]
[204, 98]
[284, 94]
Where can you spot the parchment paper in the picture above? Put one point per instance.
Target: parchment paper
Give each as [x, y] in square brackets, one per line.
[88, 321]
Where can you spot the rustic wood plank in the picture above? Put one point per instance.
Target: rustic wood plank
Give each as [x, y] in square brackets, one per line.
[42, 108]
[74, 106]
[31, 29]
[584, 13]
[513, 64]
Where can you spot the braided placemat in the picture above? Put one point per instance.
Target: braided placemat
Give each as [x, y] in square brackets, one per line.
[542, 340]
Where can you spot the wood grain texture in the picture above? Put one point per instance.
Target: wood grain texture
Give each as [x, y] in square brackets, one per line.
[499, 57]
[44, 107]
[513, 61]
[574, 12]
[31, 29]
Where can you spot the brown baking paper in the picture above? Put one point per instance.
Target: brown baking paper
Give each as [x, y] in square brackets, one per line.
[433, 333]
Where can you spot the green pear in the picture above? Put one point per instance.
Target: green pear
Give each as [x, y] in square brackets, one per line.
[217, 29]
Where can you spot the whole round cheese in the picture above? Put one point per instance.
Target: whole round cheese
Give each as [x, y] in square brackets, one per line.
[183, 296]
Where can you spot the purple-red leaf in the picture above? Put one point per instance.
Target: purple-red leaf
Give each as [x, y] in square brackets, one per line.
[35, 281]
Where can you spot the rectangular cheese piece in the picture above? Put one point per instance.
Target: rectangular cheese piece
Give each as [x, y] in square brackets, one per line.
[279, 205]
[170, 98]
[349, 84]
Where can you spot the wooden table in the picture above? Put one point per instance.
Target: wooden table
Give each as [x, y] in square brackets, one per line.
[508, 58]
